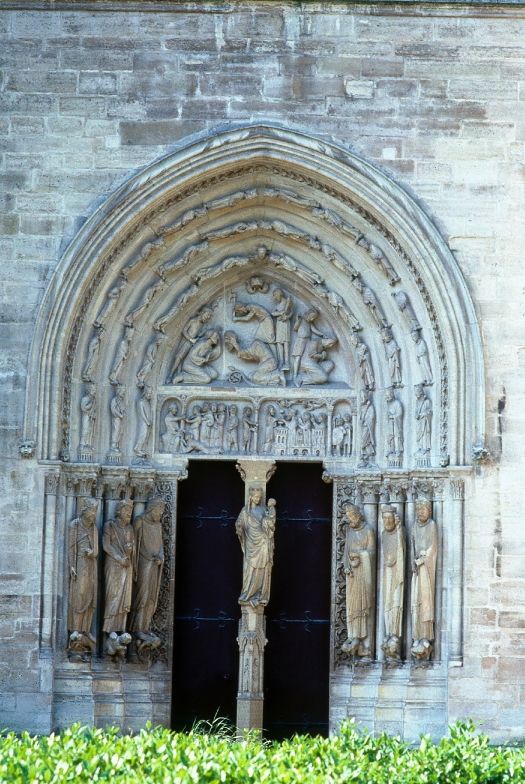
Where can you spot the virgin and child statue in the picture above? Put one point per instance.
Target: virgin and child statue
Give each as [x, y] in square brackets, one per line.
[255, 528]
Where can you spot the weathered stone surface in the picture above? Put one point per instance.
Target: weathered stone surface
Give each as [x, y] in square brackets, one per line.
[436, 102]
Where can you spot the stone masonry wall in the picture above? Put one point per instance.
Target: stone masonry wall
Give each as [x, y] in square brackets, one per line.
[433, 95]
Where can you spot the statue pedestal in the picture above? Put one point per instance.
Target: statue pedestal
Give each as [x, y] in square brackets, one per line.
[251, 639]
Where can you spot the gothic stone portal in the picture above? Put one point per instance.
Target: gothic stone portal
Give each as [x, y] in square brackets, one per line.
[262, 313]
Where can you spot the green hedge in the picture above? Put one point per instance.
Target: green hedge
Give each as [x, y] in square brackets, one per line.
[80, 754]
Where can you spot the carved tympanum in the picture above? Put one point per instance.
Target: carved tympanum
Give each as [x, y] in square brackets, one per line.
[393, 581]
[358, 562]
[148, 562]
[425, 550]
[83, 577]
[118, 543]
[255, 528]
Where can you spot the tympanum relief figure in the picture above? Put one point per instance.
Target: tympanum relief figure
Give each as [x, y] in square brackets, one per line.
[194, 329]
[83, 577]
[249, 430]
[310, 363]
[255, 528]
[118, 543]
[425, 551]
[195, 367]
[282, 313]
[358, 564]
[393, 581]
[260, 352]
[148, 563]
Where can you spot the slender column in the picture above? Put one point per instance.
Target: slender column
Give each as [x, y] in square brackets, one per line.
[454, 570]
[252, 626]
[50, 511]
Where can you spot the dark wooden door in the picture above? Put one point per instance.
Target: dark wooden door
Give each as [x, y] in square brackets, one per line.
[297, 656]
[207, 585]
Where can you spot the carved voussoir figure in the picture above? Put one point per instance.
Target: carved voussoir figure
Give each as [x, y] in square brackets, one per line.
[423, 415]
[88, 416]
[145, 423]
[255, 528]
[394, 433]
[121, 355]
[367, 420]
[92, 356]
[118, 412]
[358, 564]
[425, 550]
[393, 581]
[82, 558]
[118, 543]
[148, 562]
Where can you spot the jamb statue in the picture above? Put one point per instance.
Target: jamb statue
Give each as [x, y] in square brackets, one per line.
[358, 564]
[425, 549]
[118, 543]
[393, 582]
[83, 554]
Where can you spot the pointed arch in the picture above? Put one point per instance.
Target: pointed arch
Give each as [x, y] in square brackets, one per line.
[339, 218]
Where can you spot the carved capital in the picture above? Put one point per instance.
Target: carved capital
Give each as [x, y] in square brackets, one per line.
[86, 484]
[368, 491]
[256, 470]
[143, 483]
[457, 489]
[69, 485]
[51, 482]
[115, 485]
[393, 490]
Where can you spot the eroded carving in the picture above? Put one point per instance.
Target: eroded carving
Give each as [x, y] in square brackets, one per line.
[359, 567]
[118, 543]
[121, 355]
[145, 419]
[367, 421]
[393, 581]
[423, 416]
[394, 432]
[92, 356]
[83, 578]
[405, 306]
[195, 367]
[148, 363]
[88, 416]
[425, 550]
[148, 563]
[393, 353]
[422, 357]
[149, 295]
[117, 408]
[193, 330]
[110, 304]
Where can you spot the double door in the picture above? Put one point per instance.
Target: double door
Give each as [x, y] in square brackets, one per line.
[208, 581]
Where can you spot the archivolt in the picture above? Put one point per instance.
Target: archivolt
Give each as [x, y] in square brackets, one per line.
[334, 224]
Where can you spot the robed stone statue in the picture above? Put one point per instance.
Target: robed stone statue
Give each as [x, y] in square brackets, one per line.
[425, 550]
[255, 528]
[148, 562]
[82, 557]
[118, 543]
[358, 562]
[393, 581]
